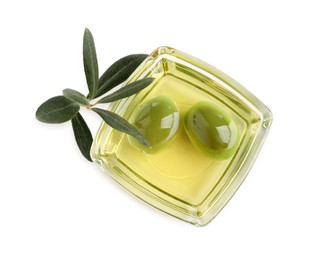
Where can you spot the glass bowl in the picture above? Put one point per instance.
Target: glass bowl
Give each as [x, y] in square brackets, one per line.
[180, 179]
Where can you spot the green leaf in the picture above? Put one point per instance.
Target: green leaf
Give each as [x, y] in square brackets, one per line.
[90, 63]
[127, 90]
[118, 72]
[57, 110]
[82, 135]
[75, 96]
[120, 124]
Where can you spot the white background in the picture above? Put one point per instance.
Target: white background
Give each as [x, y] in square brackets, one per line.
[56, 205]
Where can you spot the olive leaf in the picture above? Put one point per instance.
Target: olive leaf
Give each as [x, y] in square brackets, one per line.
[57, 110]
[90, 63]
[120, 124]
[82, 135]
[118, 72]
[64, 108]
[75, 96]
[127, 90]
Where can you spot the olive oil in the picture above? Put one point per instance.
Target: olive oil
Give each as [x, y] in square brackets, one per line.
[179, 169]
[179, 178]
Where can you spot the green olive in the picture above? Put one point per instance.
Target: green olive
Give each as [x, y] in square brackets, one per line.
[158, 121]
[212, 130]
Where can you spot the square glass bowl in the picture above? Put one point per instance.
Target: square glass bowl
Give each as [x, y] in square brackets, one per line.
[179, 179]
